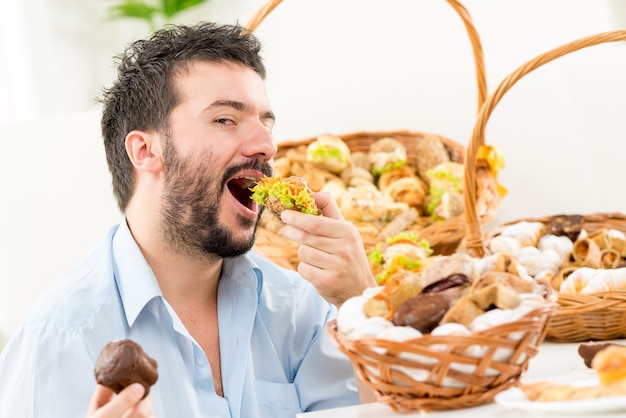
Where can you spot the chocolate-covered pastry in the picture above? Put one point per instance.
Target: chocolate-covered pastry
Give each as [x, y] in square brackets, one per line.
[425, 310]
[422, 312]
[122, 362]
[568, 225]
[589, 350]
[453, 280]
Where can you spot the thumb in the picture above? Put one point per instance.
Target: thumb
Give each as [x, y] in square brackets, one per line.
[131, 395]
[101, 396]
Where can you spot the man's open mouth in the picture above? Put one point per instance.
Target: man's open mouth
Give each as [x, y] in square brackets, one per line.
[240, 188]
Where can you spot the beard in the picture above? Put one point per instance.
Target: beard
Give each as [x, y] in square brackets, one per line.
[190, 206]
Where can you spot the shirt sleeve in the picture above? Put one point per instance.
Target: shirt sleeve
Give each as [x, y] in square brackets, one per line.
[42, 374]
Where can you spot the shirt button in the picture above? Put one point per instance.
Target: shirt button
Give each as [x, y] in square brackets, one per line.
[200, 362]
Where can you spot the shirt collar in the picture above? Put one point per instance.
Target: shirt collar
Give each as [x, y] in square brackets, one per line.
[134, 277]
[138, 286]
[244, 271]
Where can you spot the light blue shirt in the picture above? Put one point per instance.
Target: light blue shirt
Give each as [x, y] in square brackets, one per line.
[276, 357]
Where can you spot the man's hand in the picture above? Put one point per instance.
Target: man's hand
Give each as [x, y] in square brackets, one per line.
[127, 404]
[331, 254]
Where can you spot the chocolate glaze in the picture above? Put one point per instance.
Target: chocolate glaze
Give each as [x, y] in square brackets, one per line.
[589, 350]
[122, 362]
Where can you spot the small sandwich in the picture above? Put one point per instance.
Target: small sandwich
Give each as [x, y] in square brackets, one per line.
[329, 152]
[280, 193]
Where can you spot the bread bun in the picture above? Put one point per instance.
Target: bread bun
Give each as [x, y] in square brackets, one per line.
[610, 364]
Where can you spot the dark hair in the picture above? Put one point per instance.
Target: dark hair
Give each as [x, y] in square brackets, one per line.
[143, 94]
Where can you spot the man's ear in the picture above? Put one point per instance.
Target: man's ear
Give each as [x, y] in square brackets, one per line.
[144, 150]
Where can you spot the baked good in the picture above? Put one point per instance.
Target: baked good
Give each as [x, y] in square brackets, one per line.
[386, 154]
[280, 193]
[329, 152]
[568, 225]
[410, 190]
[590, 281]
[589, 350]
[545, 391]
[122, 362]
[527, 233]
[430, 151]
[610, 364]
[422, 312]
[445, 182]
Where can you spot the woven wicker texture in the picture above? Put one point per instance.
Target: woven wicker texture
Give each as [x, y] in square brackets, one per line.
[443, 236]
[439, 372]
[578, 317]
[601, 316]
[435, 373]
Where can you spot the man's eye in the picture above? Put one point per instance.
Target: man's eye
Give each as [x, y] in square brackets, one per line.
[224, 121]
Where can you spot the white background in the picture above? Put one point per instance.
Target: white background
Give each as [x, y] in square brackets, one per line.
[335, 66]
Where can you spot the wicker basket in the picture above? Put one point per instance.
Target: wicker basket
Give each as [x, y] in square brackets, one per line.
[452, 372]
[586, 317]
[578, 317]
[440, 372]
[443, 236]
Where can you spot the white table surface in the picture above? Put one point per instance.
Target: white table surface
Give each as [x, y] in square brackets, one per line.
[552, 360]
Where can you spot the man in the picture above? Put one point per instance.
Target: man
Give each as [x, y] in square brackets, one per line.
[187, 129]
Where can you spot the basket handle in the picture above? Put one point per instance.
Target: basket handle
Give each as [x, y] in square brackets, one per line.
[474, 244]
[477, 49]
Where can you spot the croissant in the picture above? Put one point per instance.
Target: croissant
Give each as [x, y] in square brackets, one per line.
[589, 281]
[577, 280]
[606, 280]
[526, 232]
[386, 179]
[410, 190]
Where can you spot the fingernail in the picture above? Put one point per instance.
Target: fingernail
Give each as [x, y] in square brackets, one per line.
[138, 389]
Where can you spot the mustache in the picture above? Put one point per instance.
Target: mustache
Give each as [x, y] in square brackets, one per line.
[254, 164]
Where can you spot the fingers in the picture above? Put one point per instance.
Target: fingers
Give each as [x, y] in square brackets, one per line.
[325, 225]
[142, 410]
[101, 396]
[336, 277]
[327, 204]
[332, 255]
[127, 404]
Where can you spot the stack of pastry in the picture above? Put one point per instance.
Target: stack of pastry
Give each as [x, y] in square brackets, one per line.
[383, 191]
[444, 318]
[455, 293]
[573, 260]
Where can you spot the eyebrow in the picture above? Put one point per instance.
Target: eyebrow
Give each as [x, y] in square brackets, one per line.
[239, 106]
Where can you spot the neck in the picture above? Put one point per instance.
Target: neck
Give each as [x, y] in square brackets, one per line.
[185, 281]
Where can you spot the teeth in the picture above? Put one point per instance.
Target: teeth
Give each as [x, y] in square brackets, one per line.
[251, 181]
